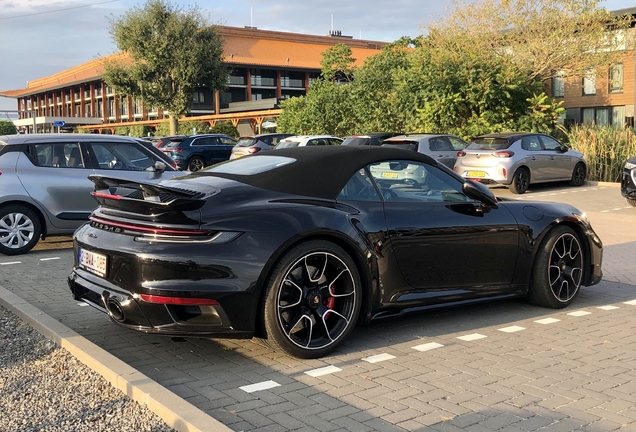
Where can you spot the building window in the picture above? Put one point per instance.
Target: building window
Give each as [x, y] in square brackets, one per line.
[198, 97]
[589, 83]
[123, 106]
[98, 91]
[100, 109]
[558, 84]
[109, 90]
[111, 107]
[137, 106]
[618, 116]
[604, 116]
[616, 78]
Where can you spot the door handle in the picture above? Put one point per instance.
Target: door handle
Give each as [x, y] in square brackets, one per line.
[533, 158]
[551, 157]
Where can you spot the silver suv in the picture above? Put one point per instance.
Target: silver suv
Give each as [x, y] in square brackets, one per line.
[44, 185]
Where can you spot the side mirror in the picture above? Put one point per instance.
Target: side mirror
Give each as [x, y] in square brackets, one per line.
[563, 149]
[160, 166]
[479, 192]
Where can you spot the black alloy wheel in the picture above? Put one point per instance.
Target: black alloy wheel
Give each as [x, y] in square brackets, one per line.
[631, 202]
[520, 181]
[19, 229]
[196, 164]
[578, 175]
[558, 270]
[313, 300]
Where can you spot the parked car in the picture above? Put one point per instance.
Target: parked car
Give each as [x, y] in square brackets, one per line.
[518, 159]
[44, 185]
[442, 147]
[161, 142]
[198, 151]
[248, 145]
[628, 181]
[269, 245]
[308, 140]
[368, 139]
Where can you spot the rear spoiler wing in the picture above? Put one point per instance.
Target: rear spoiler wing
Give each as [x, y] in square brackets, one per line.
[140, 197]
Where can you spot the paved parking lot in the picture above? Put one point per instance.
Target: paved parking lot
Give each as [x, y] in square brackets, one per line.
[502, 366]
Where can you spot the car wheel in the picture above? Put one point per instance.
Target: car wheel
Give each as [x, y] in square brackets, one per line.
[578, 175]
[195, 164]
[632, 202]
[19, 229]
[312, 300]
[558, 269]
[520, 181]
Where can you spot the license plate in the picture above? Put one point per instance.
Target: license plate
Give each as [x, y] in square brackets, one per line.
[389, 175]
[475, 174]
[238, 155]
[93, 262]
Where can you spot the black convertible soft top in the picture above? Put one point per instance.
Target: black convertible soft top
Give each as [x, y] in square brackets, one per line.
[320, 171]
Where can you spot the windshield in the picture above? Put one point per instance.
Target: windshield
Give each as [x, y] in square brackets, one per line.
[489, 144]
[250, 165]
[246, 142]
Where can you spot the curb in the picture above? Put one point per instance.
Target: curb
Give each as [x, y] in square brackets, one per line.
[175, 411]
[600, 183]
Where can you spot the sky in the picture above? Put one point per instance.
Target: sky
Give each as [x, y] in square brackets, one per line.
[42, 37]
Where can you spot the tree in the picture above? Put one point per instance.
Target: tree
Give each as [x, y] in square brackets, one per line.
[337, 63]
[7, 127]
[539, 36]
[168, 53]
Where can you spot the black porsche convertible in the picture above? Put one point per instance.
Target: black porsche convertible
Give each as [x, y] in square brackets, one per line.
[300, 246]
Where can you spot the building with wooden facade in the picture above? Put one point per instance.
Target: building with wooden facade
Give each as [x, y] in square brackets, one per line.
[265, 67]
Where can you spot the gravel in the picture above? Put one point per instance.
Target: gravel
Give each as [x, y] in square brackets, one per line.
[44, 388]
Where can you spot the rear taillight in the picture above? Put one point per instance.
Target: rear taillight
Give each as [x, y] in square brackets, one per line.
[148, 298]
[505, 173]
[146, 229]
[105, 195]
[503, 154]
[253, 150]
[461, 153]
[455, 169]
[174, 150]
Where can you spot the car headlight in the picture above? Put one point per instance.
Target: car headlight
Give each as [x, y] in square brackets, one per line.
[629, 165]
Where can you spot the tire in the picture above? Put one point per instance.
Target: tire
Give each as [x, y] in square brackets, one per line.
[195, 164]
[578, 175]
[20, 229]
[312, 300]
[520, 181]
[632, 202]
[558, 269]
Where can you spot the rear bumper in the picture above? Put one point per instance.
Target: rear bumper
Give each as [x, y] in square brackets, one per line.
[129, 310]
[497, 174]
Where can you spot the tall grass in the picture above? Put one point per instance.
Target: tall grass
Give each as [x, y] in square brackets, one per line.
[605, 148]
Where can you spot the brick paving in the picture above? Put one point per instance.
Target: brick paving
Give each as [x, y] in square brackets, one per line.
[575, 373]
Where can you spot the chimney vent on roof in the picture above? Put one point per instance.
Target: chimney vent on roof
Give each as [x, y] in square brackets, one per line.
[250, 27]
[338, 33]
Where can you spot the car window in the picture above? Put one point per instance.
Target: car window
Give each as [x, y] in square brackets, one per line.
[334, 141]
[204, 141]
[59, 155]
[359, 188]
[550, 143]
[287, 144]
[406, 145]
[317, 141]
[249, 166]
[246, 142]
[126, 156]
[440, 144]
[408, 181]
[357, 140]
[458, 144]
[489, 143]
[531, 143]
[226, 140]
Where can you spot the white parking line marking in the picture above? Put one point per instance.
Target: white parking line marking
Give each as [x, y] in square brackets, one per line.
[49, 259]
[617, 209]
[265, 385]
[323, 371]
[631, 302]
[427, 346]
[547, 321]
[82, 304]
[511, 329]
[605, 211]
[579, 313]
[552, 194]
[471, 337]
[608, 307]
[628, 207]
[11, 262]
[378, 358]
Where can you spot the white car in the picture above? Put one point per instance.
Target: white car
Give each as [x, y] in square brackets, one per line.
[308, 140]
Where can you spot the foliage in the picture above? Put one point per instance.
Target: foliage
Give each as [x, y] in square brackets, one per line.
[337, 62]
[539, 36]
[134, 130]
[170, 52]
[7, 127]
[605, 148]
[225, 127]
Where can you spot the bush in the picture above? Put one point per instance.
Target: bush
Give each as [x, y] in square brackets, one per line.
[605, 148]
[225, 127]
[7, 127]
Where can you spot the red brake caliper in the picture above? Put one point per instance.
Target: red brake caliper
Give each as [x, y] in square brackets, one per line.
[329, 302]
